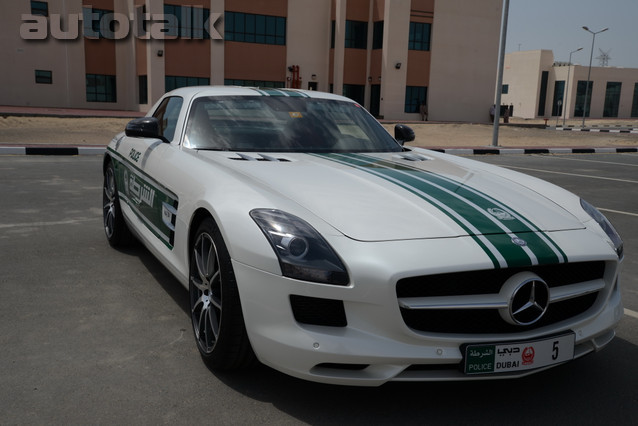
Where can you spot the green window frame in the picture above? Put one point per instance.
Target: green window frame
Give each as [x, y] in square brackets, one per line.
[419, 38]
[43, 77]
[356, 92]
[190, 21]
[254, 83]
[612, 99]
[167, 114]
[172, 82]
[581, 89]
[39, 8]
[377, 35]
[414, 96]
[142, 90]
[92, 27]
[252, 28]
[559, 92]
[542, 96]
[101, 88]
[356, 34]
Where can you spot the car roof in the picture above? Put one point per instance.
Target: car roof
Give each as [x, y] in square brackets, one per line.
[199, 91]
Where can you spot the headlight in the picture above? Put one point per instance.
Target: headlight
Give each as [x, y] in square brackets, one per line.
[303, 254]
[605, 225]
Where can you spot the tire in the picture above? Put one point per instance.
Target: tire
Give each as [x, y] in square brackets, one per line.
[115, 228]
[216, 313]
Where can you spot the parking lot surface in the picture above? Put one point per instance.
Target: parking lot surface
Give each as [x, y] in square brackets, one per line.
[94, 335]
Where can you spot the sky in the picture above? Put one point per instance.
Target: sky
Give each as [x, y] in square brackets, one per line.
[557, 25]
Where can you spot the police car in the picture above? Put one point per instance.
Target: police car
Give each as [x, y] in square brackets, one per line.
[313, 241]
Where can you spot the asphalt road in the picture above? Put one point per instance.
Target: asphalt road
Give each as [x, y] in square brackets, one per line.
[91, 335]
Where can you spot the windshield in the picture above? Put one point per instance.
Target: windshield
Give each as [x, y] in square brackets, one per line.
[284, 124]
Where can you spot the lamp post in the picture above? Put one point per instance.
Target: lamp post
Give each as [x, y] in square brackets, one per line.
[499, 72]
[569, 68]
[591, 55]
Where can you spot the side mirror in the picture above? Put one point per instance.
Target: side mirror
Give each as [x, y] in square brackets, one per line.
[403, 133]
[145, 127]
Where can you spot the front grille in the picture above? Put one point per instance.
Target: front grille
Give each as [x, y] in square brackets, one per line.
[473, 321]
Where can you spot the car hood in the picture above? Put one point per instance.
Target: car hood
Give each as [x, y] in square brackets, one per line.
[397, 196]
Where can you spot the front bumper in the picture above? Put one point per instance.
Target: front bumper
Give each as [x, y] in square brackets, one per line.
[376, 345]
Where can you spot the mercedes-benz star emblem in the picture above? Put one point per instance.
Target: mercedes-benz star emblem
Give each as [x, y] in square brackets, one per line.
[529, 302]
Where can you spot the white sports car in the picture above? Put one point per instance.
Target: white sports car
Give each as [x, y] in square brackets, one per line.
[313, 241]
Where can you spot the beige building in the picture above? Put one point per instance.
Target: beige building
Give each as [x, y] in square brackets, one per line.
[389, 55]
[538, 87]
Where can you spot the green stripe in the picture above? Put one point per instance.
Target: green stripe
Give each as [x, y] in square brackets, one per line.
[541, 244]
[497, 259]
[545, 249]
[266, 91]
[295, 94]
[146, 199]
[272, 92]
[456, 199]
[261, 92]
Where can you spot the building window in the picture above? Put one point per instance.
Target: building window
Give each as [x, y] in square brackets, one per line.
[581, 88]
[189, 21]
[357, 34]
[505, 89]
[612, 99]
[377, 35]
[172, 82]
[167, 114]
[332, 36]
[40, 8]
[250, 28]
[414, 97]
[375, 100]
[634, 104]
[542, 97]
[100, 88]
[419, 36]
[253, 83]
[355, 92]
[142, 81]
[559, 102]
[43, 77]
[93, 23]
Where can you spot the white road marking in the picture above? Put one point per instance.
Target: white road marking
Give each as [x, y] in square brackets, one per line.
[631, 313]
[32, 224]
[617, 211]
[572, 174]
[585, 160]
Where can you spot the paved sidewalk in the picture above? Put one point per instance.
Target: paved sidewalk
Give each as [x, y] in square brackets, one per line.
[23, 111]
[601, 126]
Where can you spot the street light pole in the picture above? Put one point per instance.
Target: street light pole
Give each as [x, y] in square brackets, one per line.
[591, 55]
[569, 68]
[499, 72]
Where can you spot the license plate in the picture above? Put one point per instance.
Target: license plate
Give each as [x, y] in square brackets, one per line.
[518, 356]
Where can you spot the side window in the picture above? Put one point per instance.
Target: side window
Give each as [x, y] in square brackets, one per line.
[167, 114]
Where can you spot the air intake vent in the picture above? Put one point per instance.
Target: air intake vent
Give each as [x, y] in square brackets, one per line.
[261, 157]
[411, 156]
[315, 311]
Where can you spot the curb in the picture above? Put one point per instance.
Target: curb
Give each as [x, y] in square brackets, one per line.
[498, 151]
[52, 150]
[595, 130]
[98, 150]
